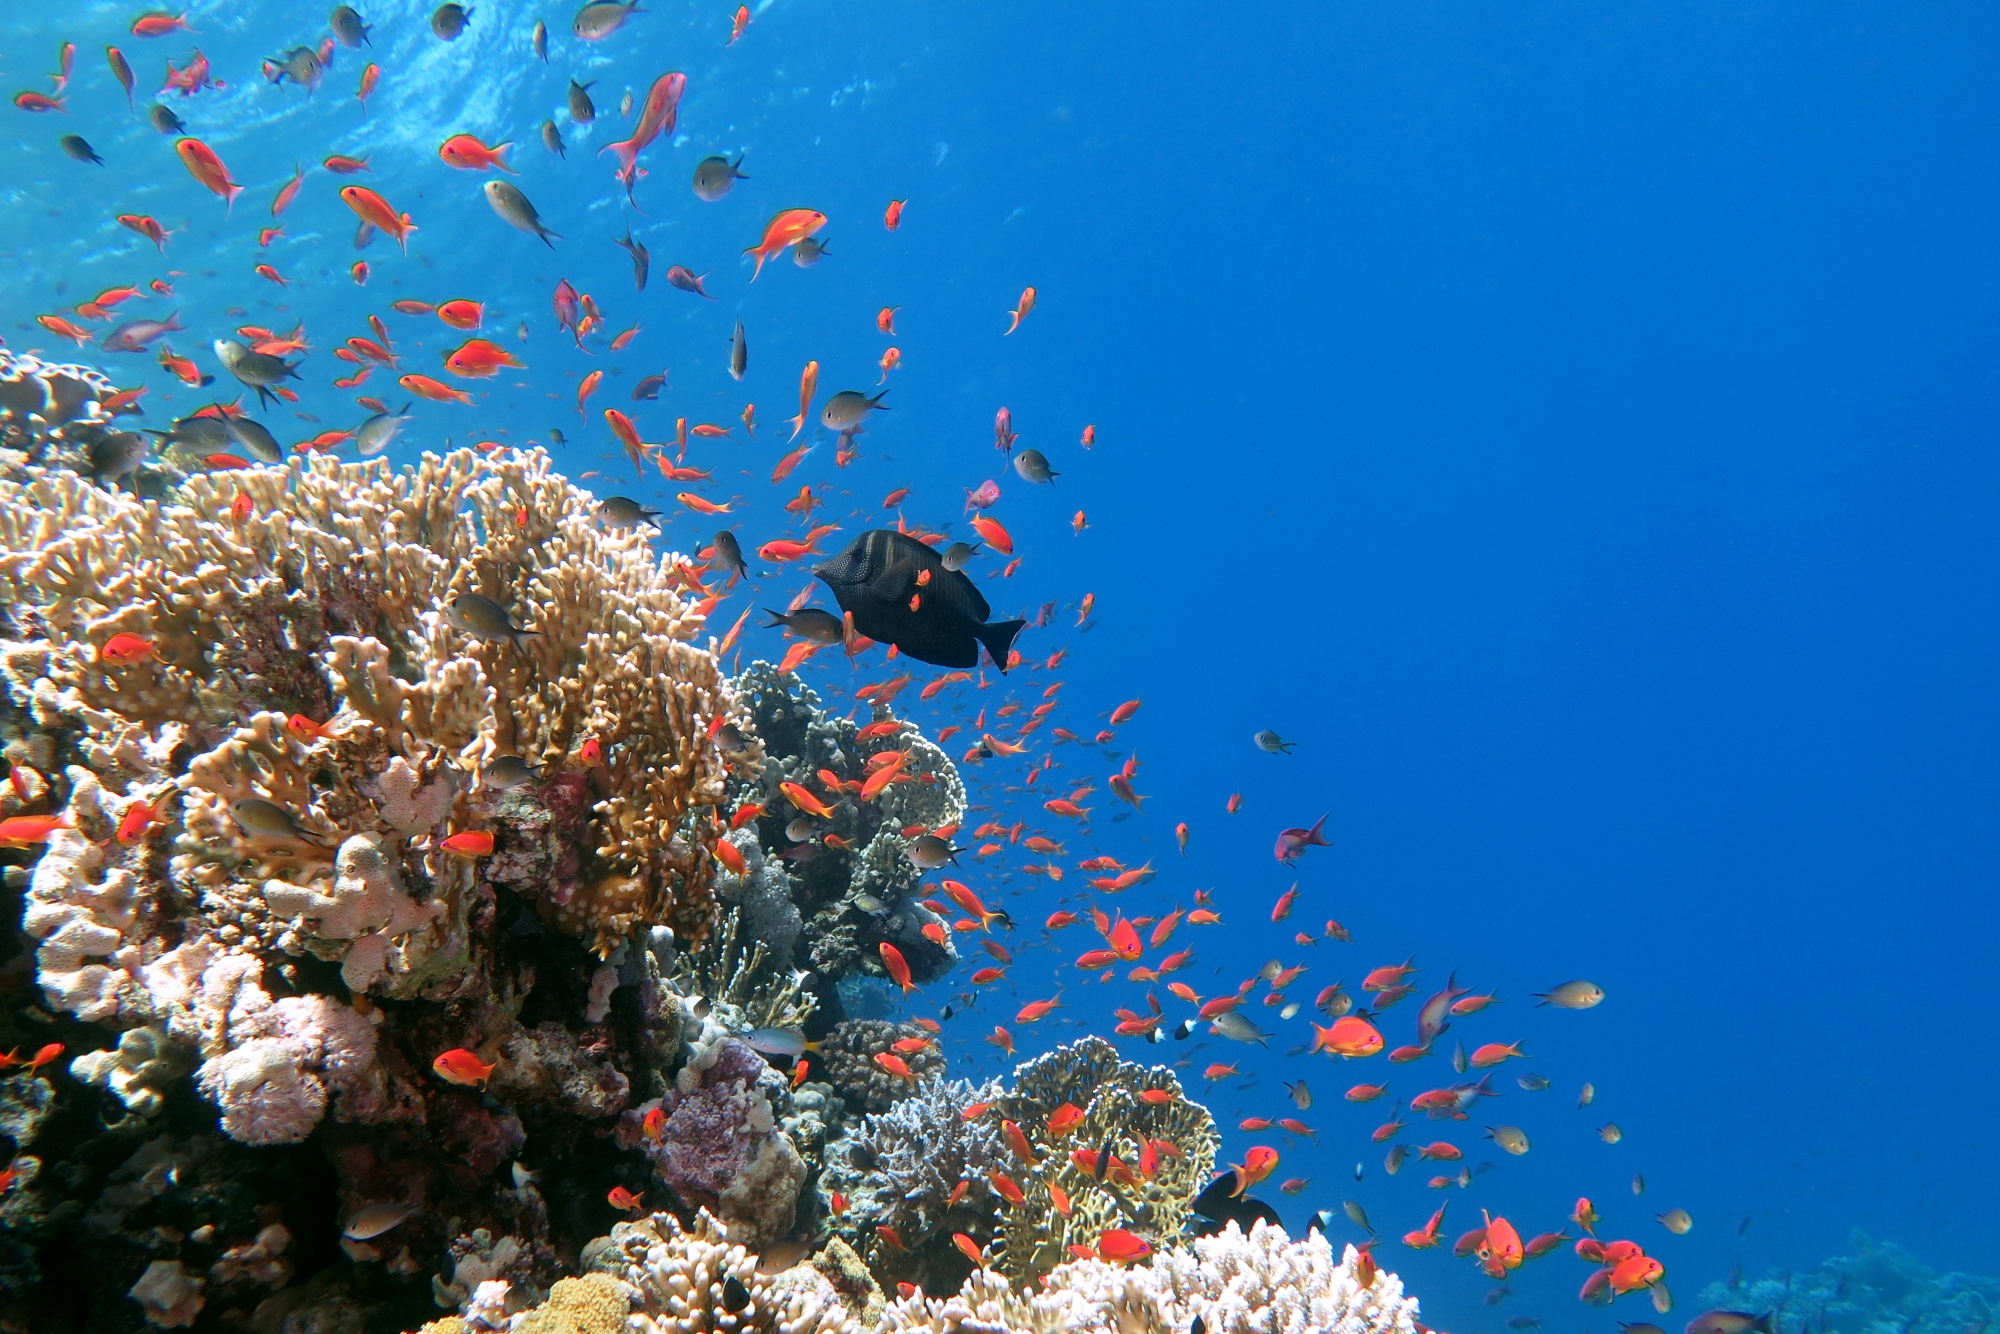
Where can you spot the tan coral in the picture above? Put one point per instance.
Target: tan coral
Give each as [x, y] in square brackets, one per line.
[1033, 1237]
[682, 1277]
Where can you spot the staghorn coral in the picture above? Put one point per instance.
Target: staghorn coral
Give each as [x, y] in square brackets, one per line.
[899, 1169]
[1263, 1283]
[849, 1052]
[1033, 1236]
[753, 989]
[802, 740]
[680, 1275]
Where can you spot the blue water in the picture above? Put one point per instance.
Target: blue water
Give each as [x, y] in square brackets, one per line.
[1572, 425]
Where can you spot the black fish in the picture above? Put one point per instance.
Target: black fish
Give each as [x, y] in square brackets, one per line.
[878, 580]
[1221, 1207]
[734, 1295]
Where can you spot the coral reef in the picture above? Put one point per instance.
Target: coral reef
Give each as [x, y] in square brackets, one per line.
[1163, 1154]
[55, 414]
[900, 1169]
[683, 1278]
[849, 1051]
[1879, 1287]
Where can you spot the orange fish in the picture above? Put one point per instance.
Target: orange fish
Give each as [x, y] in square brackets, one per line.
[158, 23]
[1065, 1118]
[470, 843]
[808, 386]
[459, 1066]
[369, 78]
[1425, 1237]
[465, 152]
[138, 818]
[1493, 1053]
[1500, 1249]
[147, 227]
[995, 535]
[423, 386]
[624, 1199]
[895, 1065]
[737, 23]
[892, 217]
[1017, 1141]
[898, 966]
[654, 1123]
[1350, 1035]
[890, 360]
[885, 320]
[206, 167]
[1120, 1246]
[345, 166]
[269, 274]
[1020, 312]
[1034, 1010]
[377, 212]
[970, 1248]
[462, 314]
[477, 358]
[20, 831]
[1002, 1039]
[125, 648]
[786, 228]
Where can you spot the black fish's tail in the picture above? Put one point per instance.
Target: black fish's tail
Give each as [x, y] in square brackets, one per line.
[999, 640]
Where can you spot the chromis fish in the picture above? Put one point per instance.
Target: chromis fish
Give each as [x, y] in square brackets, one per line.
[713, 176]
[484, 618]
[601, 18]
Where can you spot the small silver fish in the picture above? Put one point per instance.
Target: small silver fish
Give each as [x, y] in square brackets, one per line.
[380, 431]
[372, 1220]
[1511, 1138]
[79, 148]
[509, 771]
[785, 1042]
[540, 40]
[266, 819]
[1578, 995]
[552, 139]
[450, 20]
[808, 251]
[783, 1254]
[256, 440]
[739, 352]
[642, 260]
[959, 554]
[1238, 1028]
[730, 739]
[485, 618]
[117, 456]
[848, 407]
[728, 553]
[349, 28]
[1458, 1058]
[165, 121]
[1033, 466]
[1394, 1162]
[581, 109]
[1357, 1215]
[1302, 1097]
[809, 623]
[517, 212]
[713, 177]
[1272, 744]
[1587, 1097]
[134, 335]
[871, 905]
[625, 512]
[523, 1176]
[1610, 1133]
[601, 18]
[800, 830]
[927, 852]
[1532, 1083]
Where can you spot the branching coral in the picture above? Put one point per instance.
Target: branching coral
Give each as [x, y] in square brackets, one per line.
[849, 1052]
[901, 1170]
[735, 969]
[1177, 1138]
[684, 1275]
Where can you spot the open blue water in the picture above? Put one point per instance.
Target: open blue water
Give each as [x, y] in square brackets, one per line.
[1573, 425]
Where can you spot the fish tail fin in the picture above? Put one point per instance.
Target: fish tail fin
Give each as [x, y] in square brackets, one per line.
[999, 640]
[627, 153]
[758, 251]
[501, 162]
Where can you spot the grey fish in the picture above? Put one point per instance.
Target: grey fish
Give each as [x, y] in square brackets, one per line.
[1676, 1221]
[820, 627]
[927, 852]
[1238, 1028]
[871, 905]
[959, 555]
[601, 18]
[165, 121]
[875, 580]
[552, 139]
[509, 771]
[1302, 1097]
[800, 830]
[648, 389]
[581, 109]
[364, 235]
[300, 65]
[1610, 1132]
[541, 40]
[739, 352]
[1587, 1096]
[266, 819]
[625, 512]
[373, 1220]
[1532, 1083]
[79, 148]
[1394, 1162]
[728, 554]
[848, 407]
[1271, 743]
[783, 1254]
[735, 1296]
[256, 440]
[349, 28]
[556, 435]
[713, 176]
[1033, 465]
[642, 262]
[117, 456]
[133, 335]
[1578, 995]
[1511, 1138]
[205, 434]
[514, 208]
[1357, 1215]
[258, 370]
[450, 20]
[681, 276]
[730, 740]
[485, 618]
[786, 1042]
[807, 252]
[380, 431]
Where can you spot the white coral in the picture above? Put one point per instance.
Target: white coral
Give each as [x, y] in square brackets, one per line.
[169, 1294]
[368, 905]
[80, 907]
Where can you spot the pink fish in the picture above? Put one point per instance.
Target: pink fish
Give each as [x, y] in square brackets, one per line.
[656, 118]
[987, 494]
[568, 308]
[1292, 843]
[1004, 434]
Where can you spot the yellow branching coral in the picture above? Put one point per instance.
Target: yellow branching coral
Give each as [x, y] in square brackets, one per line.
[1176, 1139]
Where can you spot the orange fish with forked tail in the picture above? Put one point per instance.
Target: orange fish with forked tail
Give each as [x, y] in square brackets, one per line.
[206, 167]
[377, 212]
[808, 386]
[423, 386]
[786, 228]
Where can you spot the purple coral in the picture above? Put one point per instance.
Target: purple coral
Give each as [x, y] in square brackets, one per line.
[722, 1148]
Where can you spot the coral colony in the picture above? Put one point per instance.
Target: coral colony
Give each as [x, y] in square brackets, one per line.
[398, 868]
